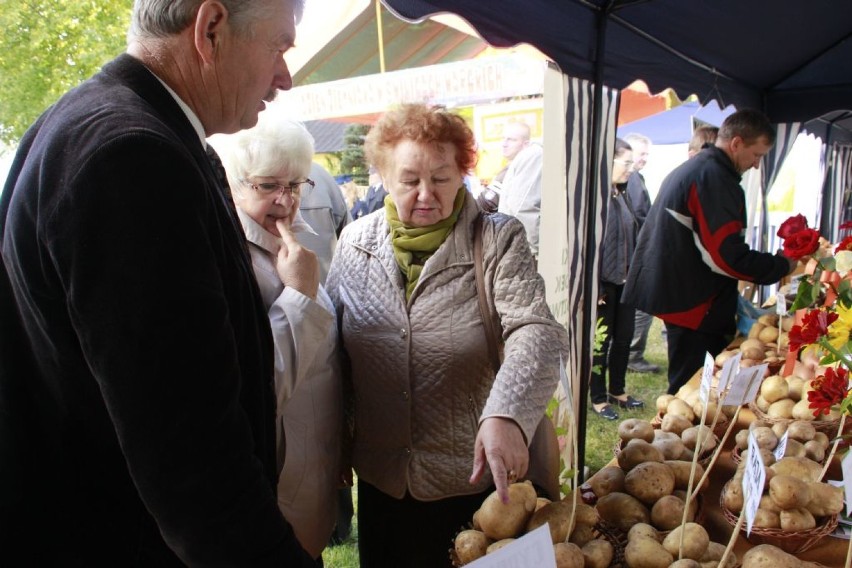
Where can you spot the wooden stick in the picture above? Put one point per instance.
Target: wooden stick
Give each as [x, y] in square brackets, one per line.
[734, 535]
[715, 455]
[834, 449]
[699, 446]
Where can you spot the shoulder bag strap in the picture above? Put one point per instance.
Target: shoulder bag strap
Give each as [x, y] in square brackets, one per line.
[484, 305]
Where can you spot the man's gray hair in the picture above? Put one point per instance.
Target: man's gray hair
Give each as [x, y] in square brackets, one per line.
[636, 137]
[163, 18]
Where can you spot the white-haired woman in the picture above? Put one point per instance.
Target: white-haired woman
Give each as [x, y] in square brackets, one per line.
[267, 168]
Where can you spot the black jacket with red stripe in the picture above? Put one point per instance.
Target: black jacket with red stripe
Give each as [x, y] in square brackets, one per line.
[691, 251]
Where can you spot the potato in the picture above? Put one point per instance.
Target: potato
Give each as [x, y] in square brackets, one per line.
[814, 451]
[797, 520]
[647, 553]
[598, 553]
[622, 510]
[768, 504]
[667, 513]
[803, 411]
[801, 468]
[470, 545]
[766, 519]
[681, 471]
[741, 439]
[582, 534]
[638, 451]
[499, 520]
[720, 359]
[558, 517]
[669, 443]
[675, 423]
[685, 563]
[584, 514]
[781, 408]
[769, 320]
[607, 480]
[794, 448]
[634, 428]
[568, 555]
[695, 541]
[752, 343]
[821, 438]
[495, 546]
[768, 556]
[794, 387]
[732, 495]
[755, 353]
[643, 530]
[755, 329]
[649, 481]
[680, 407]
[768, 334]
[715, 551]
[762, 403]
[699, 437]
[774, 388]
[765, 437]
[663, 402]
[826, 500]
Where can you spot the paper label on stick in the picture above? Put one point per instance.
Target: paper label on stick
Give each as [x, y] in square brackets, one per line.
[753, 480]
[779, 450]
[533, 549]
[707, 378]
[729, 370]
[745, 385]
[780, 305]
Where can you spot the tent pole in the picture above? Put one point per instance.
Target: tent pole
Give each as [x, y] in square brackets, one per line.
[590, 303]
[381, 36]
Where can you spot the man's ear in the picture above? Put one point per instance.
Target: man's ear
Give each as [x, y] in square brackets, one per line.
[209, 25]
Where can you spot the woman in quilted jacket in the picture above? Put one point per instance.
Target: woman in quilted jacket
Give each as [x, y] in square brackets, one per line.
[433, 429]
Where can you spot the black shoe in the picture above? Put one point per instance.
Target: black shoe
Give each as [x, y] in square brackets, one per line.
[606, 412]
[629, 404]
[643, 366]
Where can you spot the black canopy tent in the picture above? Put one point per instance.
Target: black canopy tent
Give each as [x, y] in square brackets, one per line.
[791, 59]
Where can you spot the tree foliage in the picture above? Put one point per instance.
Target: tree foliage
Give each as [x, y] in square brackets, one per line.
[352, 160]
[49, 46]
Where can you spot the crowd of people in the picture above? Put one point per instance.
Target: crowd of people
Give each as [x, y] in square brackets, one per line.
[200, 341]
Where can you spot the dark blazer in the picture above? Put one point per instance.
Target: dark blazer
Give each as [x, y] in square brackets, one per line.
[136, 399]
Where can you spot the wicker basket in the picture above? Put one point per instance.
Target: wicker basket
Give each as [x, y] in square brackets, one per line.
[792, 542]
[615, 537]
[828, 427]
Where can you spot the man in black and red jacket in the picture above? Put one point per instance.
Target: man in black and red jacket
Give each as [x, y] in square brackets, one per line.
[691, 251]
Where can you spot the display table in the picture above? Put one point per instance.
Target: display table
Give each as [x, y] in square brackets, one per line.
[829, 551]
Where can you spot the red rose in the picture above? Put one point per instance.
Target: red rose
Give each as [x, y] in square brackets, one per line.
[801, 244]
[792, 226]
[845, 244]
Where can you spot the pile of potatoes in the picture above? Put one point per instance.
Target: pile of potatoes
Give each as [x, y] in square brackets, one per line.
[676, 439]
[647, 548]
[786, 398]
[576, 542]
[803, 440]
[793, 499]
[769, 556]
[684, 409]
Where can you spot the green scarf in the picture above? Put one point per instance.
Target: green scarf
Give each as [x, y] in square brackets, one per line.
[412, 246]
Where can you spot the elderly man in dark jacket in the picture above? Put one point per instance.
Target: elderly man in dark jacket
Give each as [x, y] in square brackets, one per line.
[136, 401]
[691, 251]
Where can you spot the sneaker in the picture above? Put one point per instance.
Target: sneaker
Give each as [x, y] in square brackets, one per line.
[629, 404]
[642, 366]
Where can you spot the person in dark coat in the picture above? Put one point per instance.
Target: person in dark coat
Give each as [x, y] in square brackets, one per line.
[374, 199]
[607, 384]
[136, 382]
[691, 252]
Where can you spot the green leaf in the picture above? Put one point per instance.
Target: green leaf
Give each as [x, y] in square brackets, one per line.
[806, 295]
[828, 263]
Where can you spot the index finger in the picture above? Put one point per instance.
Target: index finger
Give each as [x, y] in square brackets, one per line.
[286, 233]
[500, 475]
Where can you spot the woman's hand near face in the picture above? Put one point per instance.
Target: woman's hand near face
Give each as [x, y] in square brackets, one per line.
[297, 266]
[500, 445]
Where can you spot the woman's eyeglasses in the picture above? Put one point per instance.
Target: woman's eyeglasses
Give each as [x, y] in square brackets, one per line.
[296, 188]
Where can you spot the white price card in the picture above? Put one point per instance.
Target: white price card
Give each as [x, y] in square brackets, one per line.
[779, 450]
[533, 549]
[755, 477]
[730, 368]
[746, 385]
[780, 304]
[707, 378]
[846, 468]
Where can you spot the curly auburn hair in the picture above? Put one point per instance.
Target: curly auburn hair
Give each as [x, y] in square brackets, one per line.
[423, 124]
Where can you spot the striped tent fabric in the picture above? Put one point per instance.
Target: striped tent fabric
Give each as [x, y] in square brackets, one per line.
[578, 231]
[839, 184]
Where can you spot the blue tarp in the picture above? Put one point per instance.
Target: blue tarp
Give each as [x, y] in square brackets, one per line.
[675, 126]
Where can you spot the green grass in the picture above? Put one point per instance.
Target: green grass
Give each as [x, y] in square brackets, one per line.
[601, 436]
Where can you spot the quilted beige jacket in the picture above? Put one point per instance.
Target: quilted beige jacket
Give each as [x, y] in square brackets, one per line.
[420, 370]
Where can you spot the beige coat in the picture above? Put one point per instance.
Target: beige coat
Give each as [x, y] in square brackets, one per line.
[420, 369]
